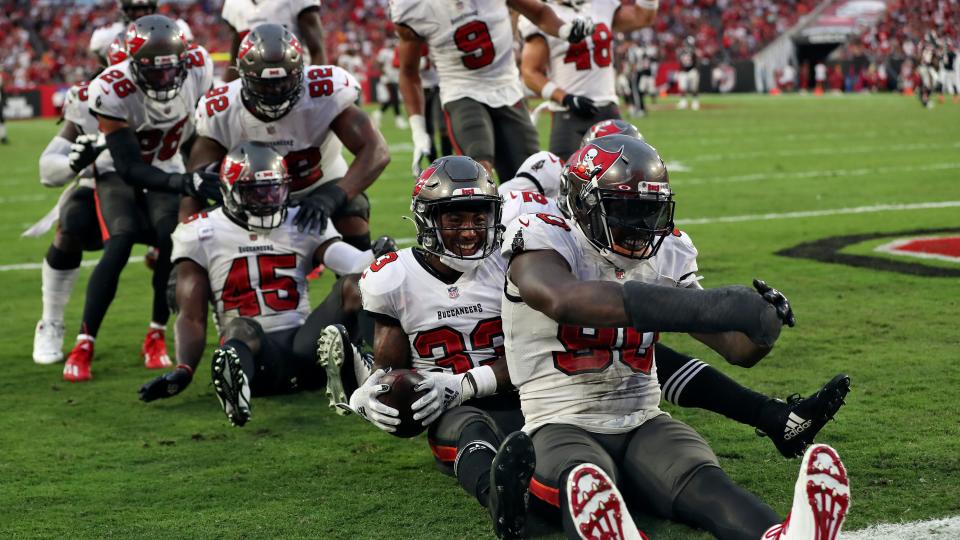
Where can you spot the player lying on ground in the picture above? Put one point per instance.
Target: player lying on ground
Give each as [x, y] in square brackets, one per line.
[303, 112]
[250, 260]
[469, 299]
[584, 303]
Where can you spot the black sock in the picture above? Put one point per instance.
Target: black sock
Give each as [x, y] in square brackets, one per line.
[59, 259]
[359, 241]
[713, 502]
[476, 449]
[160, 282]
[569, 527]
[688, 382]
[246, 357]
[102, 286]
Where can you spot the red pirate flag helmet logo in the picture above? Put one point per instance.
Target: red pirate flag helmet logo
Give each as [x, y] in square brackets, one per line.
[591, 162]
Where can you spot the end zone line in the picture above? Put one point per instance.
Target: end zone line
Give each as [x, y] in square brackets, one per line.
[947, 528]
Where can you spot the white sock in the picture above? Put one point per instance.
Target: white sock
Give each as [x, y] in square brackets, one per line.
[3, 131]
[57, 285]
[361, 368]
[157, 326]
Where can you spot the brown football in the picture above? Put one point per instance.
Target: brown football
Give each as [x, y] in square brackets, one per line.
[400, 396]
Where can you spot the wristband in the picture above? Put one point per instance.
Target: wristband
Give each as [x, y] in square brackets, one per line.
[483, 381]
[649, 4]
[186, 368]
[547, 90]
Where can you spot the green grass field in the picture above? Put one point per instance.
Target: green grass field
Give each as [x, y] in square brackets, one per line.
[90, 460]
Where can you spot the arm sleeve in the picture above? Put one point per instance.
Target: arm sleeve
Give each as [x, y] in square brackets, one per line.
[125, 149]
[55, 163]
[343, 258]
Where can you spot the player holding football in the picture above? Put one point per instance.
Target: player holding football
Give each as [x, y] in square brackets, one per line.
[471, 45]
[585, 300]
[144, 106]
[579, 78]
[250, 261]
[300, 111]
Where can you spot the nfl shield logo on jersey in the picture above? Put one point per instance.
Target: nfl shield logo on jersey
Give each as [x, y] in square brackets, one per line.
[620, 273]
[454, 292]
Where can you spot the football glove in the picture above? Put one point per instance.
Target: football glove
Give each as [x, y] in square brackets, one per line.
[84, 151]
[383, 245]
[580, 105]
[364, 402]
[421, 142]
[318, 206]
[444, 391]
[167, 385]
[576, 30]
[779, 301]
[202, 186]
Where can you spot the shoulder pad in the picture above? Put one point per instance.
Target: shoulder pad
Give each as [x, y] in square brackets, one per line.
[537, 231]
[386, 274]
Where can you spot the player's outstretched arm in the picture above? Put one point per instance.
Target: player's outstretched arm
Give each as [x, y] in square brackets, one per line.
[735, 347]
[547, 20]
[371, 155]
[193, 286]
[55, 167]
[342, 258]
[409, 52]
[634, 17]
[311, 30]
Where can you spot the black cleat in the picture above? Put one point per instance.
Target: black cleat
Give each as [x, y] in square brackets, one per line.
[793, 424]
[231, 386]
[337, 355]
[510, 475]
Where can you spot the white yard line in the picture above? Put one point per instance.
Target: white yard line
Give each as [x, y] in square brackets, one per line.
[823, 151]
[38, 266]
[818, 213]
[946, 529]
[824, 174]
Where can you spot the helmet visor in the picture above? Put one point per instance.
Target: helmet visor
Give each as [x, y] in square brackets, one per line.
[263, 198]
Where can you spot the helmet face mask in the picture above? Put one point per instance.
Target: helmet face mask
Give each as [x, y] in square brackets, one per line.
[617, 191]
[456, 209]
[134, 9]
[255, 185]
[270, 62]
[157, 50]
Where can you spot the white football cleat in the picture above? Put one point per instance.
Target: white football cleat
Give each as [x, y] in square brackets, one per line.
[682, 104]
[821, 498]
[695, 105]
[597, 507]
[48, 342]
[401, 123]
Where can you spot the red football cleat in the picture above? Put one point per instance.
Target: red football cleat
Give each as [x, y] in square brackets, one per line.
[155, 350]
[77, 367]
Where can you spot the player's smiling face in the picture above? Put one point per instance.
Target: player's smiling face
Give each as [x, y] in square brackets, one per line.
[464, 232]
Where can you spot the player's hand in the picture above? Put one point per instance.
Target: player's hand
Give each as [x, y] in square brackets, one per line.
[84, 151]
[444, 391]
[167, 385]
[576, 30]
[318, 206]
[383, 245]
[779, 301]
[580, 105]
[421, 142]
[364, 402]
[202, 186]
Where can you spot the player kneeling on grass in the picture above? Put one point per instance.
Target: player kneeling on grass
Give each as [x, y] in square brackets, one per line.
[250, 260]
[584, 302]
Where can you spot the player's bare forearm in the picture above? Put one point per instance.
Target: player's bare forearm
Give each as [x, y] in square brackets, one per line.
[735, 347]
[633, 17]
[409, 51]
[193, 289]
[547, 285]
[534, 63]
[311, 29]
[391, 347]
[503, 375]
[204, 152]
[371, 154]
[539, 14]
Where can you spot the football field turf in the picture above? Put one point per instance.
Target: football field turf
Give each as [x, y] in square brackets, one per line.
[753, 176]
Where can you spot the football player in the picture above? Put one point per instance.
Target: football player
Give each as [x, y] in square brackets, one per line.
[539, 173]
[471, 45]
[584, 302]
[144, 106]
[388, 93]
[300, 17]
[300, 111]
[579, 78]
[250, 261]
[688, 78]
[130, 10]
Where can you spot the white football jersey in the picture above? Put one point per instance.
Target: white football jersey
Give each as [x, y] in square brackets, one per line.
[161, 126]
[260, 274]
[102, 37]
[471, 44]
[243, 15]
[601, 379]
[585, 68]
[303, 135]
[76, 108]
[453, 326]
[385, 57]
[518, 203]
